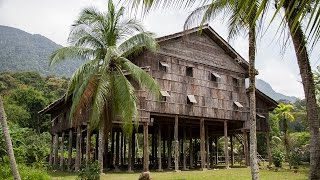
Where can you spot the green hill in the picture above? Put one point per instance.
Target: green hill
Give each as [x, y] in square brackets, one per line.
[22, 51]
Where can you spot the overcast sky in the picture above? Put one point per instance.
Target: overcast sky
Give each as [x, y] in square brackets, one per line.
[53, 18]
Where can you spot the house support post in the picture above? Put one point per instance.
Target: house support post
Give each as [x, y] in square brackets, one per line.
[184, 147]
[133, 154]
[62, 150]
[202, 143]
[169, 146]
[246, 148]
[116, 166]
[269, 149]
[226, 152]
[78, 149]
[55, 145]
[130, 152]
[159, 149]
[88, 144]
[231, 147]
[70, 150]
[145, 148]
[217, 150]
[207, 147]
[176, 145]
[191, 149]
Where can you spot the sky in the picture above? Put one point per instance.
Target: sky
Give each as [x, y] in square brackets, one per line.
[53, 19]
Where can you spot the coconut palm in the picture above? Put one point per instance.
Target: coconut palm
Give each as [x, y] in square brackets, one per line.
[101, 85]
[283, 114]
[7, 138]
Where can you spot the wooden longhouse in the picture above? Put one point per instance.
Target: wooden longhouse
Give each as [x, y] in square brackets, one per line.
[204, 98]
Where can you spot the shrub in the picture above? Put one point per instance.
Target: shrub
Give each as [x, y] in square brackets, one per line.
[26, 173]
[277, 158]
[91, 171]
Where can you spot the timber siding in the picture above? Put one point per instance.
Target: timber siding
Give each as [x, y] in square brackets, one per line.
[214, 99]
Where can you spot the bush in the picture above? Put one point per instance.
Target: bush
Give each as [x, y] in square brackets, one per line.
[26, 173]
[91, 171]
[277, 158]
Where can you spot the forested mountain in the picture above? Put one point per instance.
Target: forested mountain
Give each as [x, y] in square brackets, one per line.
[267, 89]
[22, 51]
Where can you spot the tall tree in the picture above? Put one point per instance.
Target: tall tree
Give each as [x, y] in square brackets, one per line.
[7, 138]
[292, 8]
[283, 114]
[104, 84]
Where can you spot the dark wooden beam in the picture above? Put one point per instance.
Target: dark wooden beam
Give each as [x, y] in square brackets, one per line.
[145, 148]
[62, 151]
[202, 144]
[226, 151]
[70, 149]
[159, 149]
[176, 145]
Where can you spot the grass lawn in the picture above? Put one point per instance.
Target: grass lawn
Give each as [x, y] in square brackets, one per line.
[229, 174]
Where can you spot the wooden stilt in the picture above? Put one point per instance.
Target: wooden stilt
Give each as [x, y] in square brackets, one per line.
[70, 149]
[130, 152]
[202, 143]
[191, 149]
[117, 151]
[155, 159]
[112, 147]
[152, 160]
[169, 146]
[145, 148]
[159, 149]
[176, 147]
[51, 150]
[133, 154]
[226, 151]
[55, 145]
[81, 147]
[88, 144]
[217, 150]
[78, 147]
[121, 149]
[164, 145]
[269, 149]
[184, 147]
[245, 148]
[207, 148]
[211, 151]
[62, 151]
[231, 147]
[124, 148]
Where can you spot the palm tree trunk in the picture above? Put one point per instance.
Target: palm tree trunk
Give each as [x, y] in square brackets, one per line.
[101, 145]
[286, 140]
[7, 138]
[252, 104]
[299, 43]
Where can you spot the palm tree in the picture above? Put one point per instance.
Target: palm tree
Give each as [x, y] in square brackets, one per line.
[7, 138]
[106, 41]
[283, 114]
[300, 45]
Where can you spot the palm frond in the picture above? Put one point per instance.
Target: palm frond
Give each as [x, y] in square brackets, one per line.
[125, 100]
[137, 42]
[70, 53]
[143, 78]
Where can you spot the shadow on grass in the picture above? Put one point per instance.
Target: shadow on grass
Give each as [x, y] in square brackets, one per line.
[61, 174]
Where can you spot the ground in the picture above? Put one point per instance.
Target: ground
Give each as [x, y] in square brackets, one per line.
[228, 174]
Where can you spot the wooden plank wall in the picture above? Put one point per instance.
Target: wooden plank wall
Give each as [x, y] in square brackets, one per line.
[214, 100]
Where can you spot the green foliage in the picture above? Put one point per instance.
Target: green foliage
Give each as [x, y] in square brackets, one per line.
[91, 171]
[29, 147]
[26, 172]
[26, 93]
[277, 158]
